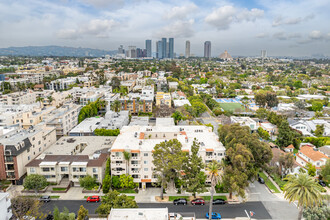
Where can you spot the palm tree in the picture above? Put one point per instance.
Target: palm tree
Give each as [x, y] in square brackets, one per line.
[50, 99]
[127, 156]
[115, 106]
[213, 169]
[304, 189]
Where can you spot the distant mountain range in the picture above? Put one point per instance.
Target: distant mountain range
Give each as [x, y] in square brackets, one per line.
[54, 51]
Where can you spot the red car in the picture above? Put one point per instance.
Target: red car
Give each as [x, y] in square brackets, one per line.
[93, 199]
[198, 202]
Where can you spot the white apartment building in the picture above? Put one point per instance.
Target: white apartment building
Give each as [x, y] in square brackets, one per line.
[19, 148]
[18, 98]
[114, 120]
[141, 140]
[245, 121]
[86, 127]
[61, 84]
[72, 158]
[5, 204]
[64, 118]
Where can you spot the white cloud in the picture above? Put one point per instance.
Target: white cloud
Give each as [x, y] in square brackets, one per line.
[98, 28]
[223, 17]
[291, 21]
[280, 35]
[262, 35]
[104, 3]
[181, 12]
[315, 35]
[178, 29]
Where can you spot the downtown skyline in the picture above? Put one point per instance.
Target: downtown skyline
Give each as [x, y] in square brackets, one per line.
[283, 28]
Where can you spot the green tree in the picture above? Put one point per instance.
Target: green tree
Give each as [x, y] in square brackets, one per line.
[298, 84]
[87, 182]
[115, 106]
[311, 169]
[127, 157]
[115, 83]
[115, 181]
[66, 215]
[325, 172]
[319, 130]
[82, 213]
[56, 213]
[317, 106]
[167, 159]
[177, 116]
[261, 113]
[317, 212]
[300, 104]
[35, 182]
[106, 183]
[127, 181]
[115, 200]
[50, 99]
[286, 135]
[286, 161]
[194, 177]
[303, 189]
[26, 206]
[213, 171]
[263, 133]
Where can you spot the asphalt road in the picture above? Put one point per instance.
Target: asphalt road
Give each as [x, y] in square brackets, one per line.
[226, 211]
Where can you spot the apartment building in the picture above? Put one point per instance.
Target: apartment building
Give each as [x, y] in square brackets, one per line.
[18, 98]
[21, 147]
[5, 204]
[64, 119]
[163, 99]
[71, 158]
[61, 84]
[136, 102]
[141, 140]
[114, 120]
[86, 127]
[310, 154]
[245, 121]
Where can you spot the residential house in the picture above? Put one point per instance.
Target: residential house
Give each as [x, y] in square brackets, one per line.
[310, 154]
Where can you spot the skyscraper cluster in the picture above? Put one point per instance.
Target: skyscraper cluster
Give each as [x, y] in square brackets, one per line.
[165, 49]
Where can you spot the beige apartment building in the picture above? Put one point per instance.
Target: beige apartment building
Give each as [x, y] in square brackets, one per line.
[71, 158]
[19, 148]
[141, 140]
[163, 98]
[19, 98]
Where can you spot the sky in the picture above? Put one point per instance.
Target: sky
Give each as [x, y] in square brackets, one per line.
[243, 27]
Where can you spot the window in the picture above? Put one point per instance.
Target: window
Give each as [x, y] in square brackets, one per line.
[94, 170]
[219, 154]
[118, 154]
[95, 176]
[135, 169]
[32, 170]
[63, 169]
[135, 176]
[52, 168]
[28, 157]
[145, 154]
[28, 150]
[146, 176]
[145, 169]
[39, 142]
[134, 154]
[134, 162]
[82, 169]
[145, 162]
[45, 169]
[209, 153]
[39, 149]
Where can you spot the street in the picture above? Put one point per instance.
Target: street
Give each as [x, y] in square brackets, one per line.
[226, 211]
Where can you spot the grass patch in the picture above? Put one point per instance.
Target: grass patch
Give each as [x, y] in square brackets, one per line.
[54, 197]
[269, 183]
[132, 197]
[59, 189]
[126, 190]
[207, 198]
[278, 180]
[295, 151]
[172, 198]
[230, 107]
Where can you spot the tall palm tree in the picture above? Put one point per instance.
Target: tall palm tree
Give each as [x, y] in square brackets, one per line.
[304, 189]
[115, 106]
[214, 174]
[127, 157]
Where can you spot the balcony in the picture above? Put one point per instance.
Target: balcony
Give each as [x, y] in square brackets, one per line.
[135, 165]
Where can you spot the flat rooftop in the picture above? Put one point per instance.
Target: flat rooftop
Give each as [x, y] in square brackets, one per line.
[139, 214]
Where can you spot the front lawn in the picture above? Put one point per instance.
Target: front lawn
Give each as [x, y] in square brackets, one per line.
[132, 197]
[54, 197]
[58, 189]
[269, 183]
[278, 180]
[172, 198]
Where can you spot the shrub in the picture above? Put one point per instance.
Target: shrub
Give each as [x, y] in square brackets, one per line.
[87, 182]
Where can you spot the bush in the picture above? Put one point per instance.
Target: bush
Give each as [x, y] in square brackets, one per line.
[116, 182]
[87, 182]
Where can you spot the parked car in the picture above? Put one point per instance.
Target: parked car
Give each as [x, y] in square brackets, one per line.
[93, 199]
[261, 180]
[215, 215]
[181, 201]
[219, 201]
[174, 216]
[45, 198]
[198, 201]
[322, 183]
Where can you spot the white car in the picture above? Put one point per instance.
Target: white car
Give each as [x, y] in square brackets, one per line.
[174, 216]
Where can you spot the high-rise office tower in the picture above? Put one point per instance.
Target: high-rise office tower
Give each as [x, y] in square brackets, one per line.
[187, 49]
[159, 49]
[121, 50]
[207, 49]
[139, 52]
[167, 50]
[132, 51]
[263, 54]
[164, 44]
[171, 48]
[148, 48]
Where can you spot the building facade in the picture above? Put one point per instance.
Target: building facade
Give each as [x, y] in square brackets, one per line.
[148, 48]
[207, 49]
[187, 54]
